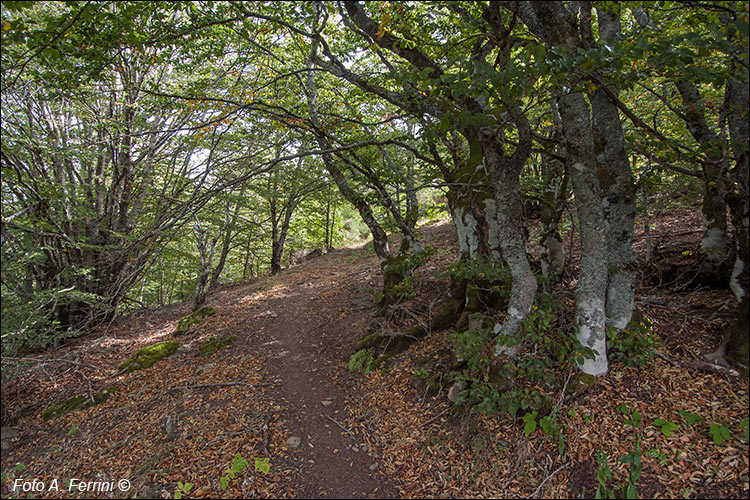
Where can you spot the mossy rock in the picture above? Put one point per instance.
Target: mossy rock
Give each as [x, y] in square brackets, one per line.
[149, 355]
[78, 402]
[214, 344]
[367, 342]
[578, 384]
[185, 323]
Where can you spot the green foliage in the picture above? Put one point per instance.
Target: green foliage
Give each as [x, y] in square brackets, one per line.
[658, 455]
[30, 323]
[484, 269]
[632, 346]
[182, 489]
[745, 424]
[508, 385]
[262, 465]
[719, 433]
[239, 464]
[529, 424]
[549, 426]
[633, 420]
[690, 418]
[603, 476]
[666, 426]
[634, 457]
[362, 360]
[636, 467]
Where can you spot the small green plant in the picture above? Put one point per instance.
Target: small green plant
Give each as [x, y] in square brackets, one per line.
[261, 465]
[690, 418]
[745, 424]
[634, 474]
[182, 489]
[72, 430]
[633, 419]
[603, 476]
[665, 425]
[634, 457]
[719, 433]
[239, 464]
[634, 345]
[17, 468]
[421, 373]
[362, 360]
[657, 454]
[529, 420]
[551, 427]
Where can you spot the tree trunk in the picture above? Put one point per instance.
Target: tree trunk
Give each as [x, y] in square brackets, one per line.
[551, 249]
[616, 181]
[714, 243]
[552, 206]
[736, 99]
[505, 211]
[590, 315]
[739, 339]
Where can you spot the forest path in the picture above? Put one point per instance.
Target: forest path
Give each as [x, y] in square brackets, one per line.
[301, 325]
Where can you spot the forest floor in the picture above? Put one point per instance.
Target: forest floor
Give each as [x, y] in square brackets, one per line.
[282, 391]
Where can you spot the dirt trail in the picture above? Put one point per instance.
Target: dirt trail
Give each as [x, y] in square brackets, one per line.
[304, 319]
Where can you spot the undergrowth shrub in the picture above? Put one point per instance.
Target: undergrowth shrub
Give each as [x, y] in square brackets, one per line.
[634, 345]
[362, 360]
[484, 268]
[29, 323]
[498, 383]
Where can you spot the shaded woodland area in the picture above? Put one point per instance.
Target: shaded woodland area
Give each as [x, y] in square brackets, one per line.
[455, 249]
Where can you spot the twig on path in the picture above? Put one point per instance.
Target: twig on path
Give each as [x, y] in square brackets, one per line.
[264, 442]
[184, 387]
[424, 424]
[58, 360]
[220, 384]
[700, 365]
[341, 426]
[221, 438]
[562, 392]
[536, 491]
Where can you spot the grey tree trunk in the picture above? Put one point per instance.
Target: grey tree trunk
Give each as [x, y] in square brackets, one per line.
[592, 282]
[508, 220]
[736, 98]
[616, 181]
[556, 25]
[715, 241]
[551, 249]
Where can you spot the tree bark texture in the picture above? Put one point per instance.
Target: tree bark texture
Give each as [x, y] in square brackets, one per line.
[592, 282]
[616, 181]
[737, 99]
[715, 242]
[508, 222]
